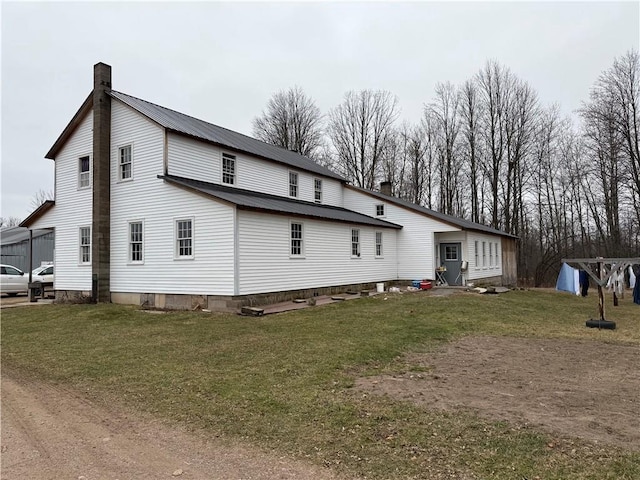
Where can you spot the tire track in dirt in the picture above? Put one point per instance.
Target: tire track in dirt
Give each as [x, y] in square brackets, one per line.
[50, 432]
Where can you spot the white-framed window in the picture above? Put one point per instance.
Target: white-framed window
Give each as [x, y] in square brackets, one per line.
[184, 238]
[317, 190]
[355, 242]
[136, 239]
[475, 245]
[379, 250]
[496, 249]
[490, 254]
[125, 163]
[228, 169]
[484, 254]
[380, 210]
[84, 171]
[84, 242]
[296, 230]
[293, 184]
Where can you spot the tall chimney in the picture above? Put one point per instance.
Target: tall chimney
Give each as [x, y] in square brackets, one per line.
[385, 188]
[101, 227]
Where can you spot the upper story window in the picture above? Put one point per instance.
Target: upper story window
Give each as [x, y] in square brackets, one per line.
[293, 184]
[317, 190]
[84, 254]
[125, 163]
[228, 169]
[355, 242]
[297, 239]
[380, 210]
[184, 238]
[378, 244]
[84, 172]
[136, 251]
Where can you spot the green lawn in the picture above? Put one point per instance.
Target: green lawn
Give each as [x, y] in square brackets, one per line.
[283, 382]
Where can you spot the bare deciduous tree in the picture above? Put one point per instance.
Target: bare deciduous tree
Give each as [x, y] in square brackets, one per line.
[9, 222]
[361, 131]
[292, 121]
[40, 197]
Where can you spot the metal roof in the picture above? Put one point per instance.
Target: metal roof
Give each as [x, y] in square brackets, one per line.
[11, 235]
[250, 200]
[184, 124]
[458, 222]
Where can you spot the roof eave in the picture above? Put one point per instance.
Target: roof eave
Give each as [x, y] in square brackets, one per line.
[84, 109]
[37, 213]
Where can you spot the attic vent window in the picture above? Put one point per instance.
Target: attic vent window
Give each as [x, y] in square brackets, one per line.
[380, 210]
[228, 169]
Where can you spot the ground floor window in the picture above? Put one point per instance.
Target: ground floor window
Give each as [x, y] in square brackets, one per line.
[355, 242]
[135, 242]
[184, 238]
[296, 239]
[85, 245]
[378, 244]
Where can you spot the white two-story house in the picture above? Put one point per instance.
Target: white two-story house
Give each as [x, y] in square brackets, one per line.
[159, 208]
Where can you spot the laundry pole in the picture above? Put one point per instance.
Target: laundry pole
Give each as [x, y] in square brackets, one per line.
[601, 269]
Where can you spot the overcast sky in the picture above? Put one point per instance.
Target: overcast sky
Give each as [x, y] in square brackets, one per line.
[222, 61]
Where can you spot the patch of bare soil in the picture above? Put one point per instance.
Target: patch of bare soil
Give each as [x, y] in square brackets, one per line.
[49, 432]
[582, 389]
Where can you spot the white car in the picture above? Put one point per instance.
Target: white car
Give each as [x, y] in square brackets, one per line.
[42, 274]
[14, 280]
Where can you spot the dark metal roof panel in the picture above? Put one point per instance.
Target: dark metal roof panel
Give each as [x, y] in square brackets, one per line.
[459, 222]
[11, 235]
[273, 203]
[181, 123]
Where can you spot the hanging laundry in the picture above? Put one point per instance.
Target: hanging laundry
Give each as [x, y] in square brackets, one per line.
[632, 278]
[636, 288]
[584, 283]
[567, 280]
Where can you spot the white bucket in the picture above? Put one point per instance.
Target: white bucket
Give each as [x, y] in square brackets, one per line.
[380, 287]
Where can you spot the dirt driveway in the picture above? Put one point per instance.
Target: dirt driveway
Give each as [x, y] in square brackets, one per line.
[584, 389]
[49, 432]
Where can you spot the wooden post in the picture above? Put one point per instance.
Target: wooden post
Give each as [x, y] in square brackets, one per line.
[600, 292]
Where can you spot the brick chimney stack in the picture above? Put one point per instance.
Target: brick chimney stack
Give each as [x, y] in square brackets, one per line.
[385, 188]
[101, 227]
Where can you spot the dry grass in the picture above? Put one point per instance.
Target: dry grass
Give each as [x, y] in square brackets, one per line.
[284, 382]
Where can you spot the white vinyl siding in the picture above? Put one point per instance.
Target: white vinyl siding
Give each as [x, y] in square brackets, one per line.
[211, 272]
[72, 210]
[201, 161]
[136, 242]
[415, 241]
[475, 240]
[125, 163]
[84, 242]
[228, 169]
[265, 263]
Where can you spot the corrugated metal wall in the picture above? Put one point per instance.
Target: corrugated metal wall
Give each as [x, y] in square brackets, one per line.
[17, 254]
